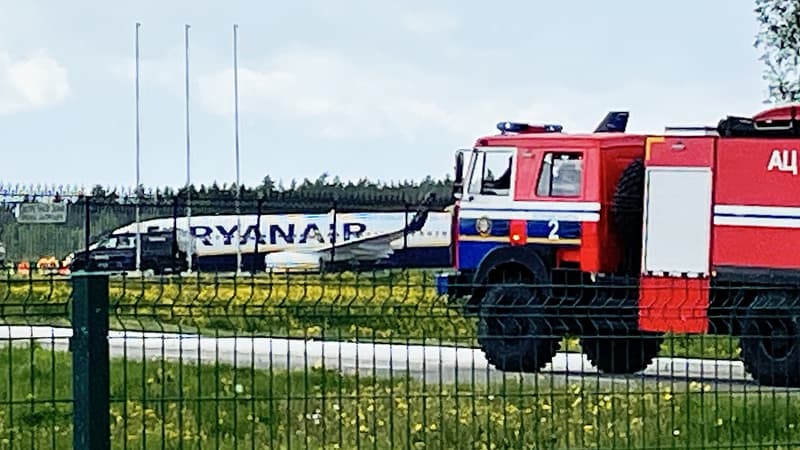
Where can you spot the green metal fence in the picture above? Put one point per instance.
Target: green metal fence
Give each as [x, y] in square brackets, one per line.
[376, 359]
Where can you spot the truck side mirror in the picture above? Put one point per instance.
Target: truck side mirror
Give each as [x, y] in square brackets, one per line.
[458, 183]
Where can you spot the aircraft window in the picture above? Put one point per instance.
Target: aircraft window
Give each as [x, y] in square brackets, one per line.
[126, 242]
[561, 175]
[491, 173]
[108, 243]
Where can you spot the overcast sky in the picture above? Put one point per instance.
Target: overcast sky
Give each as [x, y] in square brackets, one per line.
[381, 89]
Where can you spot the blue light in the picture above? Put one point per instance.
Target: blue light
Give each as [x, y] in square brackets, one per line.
[512, 127]
[552, 128]
[518, 127]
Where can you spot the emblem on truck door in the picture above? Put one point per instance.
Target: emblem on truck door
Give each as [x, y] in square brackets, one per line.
[483, 226]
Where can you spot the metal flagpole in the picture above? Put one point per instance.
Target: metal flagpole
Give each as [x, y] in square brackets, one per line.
[188, 154]
[236, 134]
[138, 231]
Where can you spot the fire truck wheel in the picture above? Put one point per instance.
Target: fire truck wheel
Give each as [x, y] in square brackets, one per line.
[770, 343]
[623, 354]
[627, 210]
[511, 335]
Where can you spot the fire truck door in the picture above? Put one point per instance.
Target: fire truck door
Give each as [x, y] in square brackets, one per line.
[677, 221]
[491, 179]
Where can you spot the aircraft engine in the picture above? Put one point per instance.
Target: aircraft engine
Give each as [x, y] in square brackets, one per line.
[292, 261]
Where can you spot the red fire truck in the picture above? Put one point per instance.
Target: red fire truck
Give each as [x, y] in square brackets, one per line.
[620, 238]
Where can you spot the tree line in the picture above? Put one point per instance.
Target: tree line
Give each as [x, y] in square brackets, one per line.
[269, 191]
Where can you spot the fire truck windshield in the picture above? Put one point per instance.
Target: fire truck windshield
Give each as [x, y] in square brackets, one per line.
[490, 171]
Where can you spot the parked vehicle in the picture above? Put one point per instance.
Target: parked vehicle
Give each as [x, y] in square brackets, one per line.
[695, 230]
[161, 251]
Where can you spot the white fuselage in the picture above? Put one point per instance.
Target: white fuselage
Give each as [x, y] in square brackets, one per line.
[215, 235]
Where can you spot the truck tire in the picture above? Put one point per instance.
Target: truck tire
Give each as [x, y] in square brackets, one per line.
[621, 354]
[770, 340]
[513, 337]
[627, 212]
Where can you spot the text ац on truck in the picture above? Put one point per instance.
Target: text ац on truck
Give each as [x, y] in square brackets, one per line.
[620, 238]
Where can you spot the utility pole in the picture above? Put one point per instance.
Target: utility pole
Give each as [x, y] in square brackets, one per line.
[188, 156]
[138, 168]
[236, 135]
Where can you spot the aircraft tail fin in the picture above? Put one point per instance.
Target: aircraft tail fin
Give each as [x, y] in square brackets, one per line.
[614, 121]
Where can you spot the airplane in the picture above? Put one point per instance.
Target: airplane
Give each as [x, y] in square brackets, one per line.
[297, 243]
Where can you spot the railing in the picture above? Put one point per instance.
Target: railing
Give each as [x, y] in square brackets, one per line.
[377, 359]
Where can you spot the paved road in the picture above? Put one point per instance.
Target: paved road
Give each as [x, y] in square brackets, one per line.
[431, 363]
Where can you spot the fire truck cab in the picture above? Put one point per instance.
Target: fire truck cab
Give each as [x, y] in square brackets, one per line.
[619, 238]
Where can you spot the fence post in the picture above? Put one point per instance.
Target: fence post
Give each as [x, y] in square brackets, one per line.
[255, 265]
[334, 205]
[87, 226]
[90, 362]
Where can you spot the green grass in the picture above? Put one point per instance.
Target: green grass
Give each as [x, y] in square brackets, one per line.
[167, 404]
[373, 307]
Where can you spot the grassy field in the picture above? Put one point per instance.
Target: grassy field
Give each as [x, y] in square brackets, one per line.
[401, 308]
[166, 404]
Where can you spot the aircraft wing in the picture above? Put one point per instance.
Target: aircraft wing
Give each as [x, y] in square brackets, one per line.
[369, 248]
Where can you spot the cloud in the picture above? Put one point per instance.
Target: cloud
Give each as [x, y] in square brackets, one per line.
[346, 97]
[370, 95]
[427, 22]
[31, 82]
[160, 71]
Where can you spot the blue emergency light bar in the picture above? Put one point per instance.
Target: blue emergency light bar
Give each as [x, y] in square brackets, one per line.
[518, 127]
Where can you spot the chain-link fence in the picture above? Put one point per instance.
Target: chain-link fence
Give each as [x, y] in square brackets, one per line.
[297, 353]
